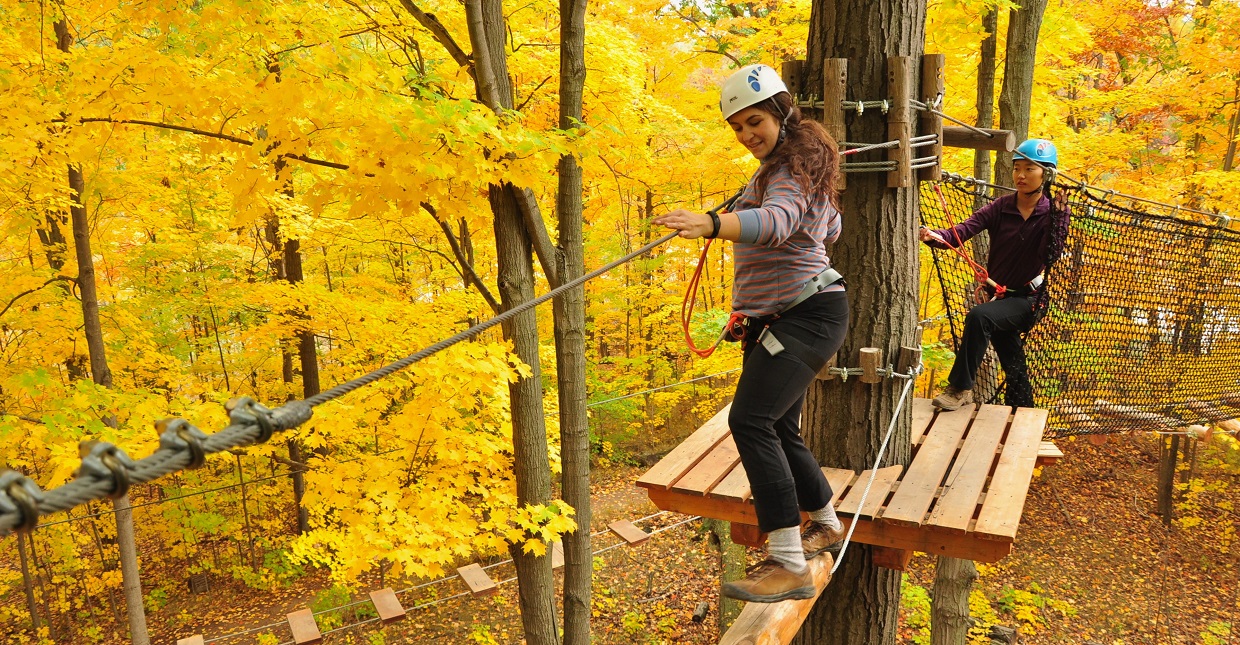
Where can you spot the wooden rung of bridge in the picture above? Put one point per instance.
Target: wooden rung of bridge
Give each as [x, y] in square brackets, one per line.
[196, 639]
[479, 583]
[305, 630]
[387, 605]
[961, 495]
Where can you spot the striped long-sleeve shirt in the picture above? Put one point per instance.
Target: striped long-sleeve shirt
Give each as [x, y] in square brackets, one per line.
[782, 244]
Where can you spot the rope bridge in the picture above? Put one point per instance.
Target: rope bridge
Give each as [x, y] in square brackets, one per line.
[1143, 327]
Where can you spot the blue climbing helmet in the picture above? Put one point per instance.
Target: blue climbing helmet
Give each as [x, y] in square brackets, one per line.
[1039, 151]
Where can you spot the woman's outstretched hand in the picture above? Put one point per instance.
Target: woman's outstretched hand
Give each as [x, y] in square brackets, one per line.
[691, 225]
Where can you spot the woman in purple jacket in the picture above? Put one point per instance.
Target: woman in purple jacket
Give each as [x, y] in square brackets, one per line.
[1026, 234]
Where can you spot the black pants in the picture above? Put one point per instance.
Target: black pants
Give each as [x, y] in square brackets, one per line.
[765, 418]
[999, 323]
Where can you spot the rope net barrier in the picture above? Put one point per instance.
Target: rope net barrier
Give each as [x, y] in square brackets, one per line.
[1142, 331]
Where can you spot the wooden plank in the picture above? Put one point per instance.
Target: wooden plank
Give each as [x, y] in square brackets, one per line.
[557, 555]
[479, 583]
[924, 539]
[688, 453]
[387, 605]
[305, 630]
[196, 639]
[921, 481]
[962, 137]
[884, 480]
[932, 87]
[923, 415]
[734, 487]
[1005, 499]
[777, 622]
[711, 469]
[834, 93]
[628, 532]
[839, 479]
[964, 485]
[1049, 453]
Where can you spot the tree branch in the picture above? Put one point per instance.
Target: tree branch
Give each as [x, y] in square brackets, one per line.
[27, 292]
[460, 257]
[532, 216]
[531, 95]
[201, 133]
[440, 33]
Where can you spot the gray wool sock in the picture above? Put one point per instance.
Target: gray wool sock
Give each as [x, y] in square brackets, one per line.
[826, 516]
[784, 547]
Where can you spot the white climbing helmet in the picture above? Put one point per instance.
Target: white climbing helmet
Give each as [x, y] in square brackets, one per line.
[748, 86]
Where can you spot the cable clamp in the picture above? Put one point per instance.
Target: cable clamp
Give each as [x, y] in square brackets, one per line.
[180, 435]
[102, 460]
[21, 496]
[244, 410]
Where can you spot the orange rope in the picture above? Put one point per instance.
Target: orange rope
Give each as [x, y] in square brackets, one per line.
[979, 272]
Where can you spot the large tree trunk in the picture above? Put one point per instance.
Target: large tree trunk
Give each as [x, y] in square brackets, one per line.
[570, 316]
[877, 252]
[1017, 93]
[101, 374]
[514, 249]
[949, 604]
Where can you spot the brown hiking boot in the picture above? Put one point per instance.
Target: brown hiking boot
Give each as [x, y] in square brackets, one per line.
[769, 581]
[953, 399]
[817, 539]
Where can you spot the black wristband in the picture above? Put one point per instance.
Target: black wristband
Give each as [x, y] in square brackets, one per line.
[714, 224]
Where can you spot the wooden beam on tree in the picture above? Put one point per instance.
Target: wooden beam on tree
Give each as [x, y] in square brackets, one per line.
[834, 93]
[962, 137]
[899, 120]
[932, 87]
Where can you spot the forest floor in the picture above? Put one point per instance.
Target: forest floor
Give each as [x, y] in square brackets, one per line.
[1092, 563]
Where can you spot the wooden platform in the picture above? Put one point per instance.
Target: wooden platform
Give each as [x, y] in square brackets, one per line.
[961, 496]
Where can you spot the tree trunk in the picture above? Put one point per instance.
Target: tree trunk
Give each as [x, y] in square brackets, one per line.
[1017, 93]
[27, 583]
[985, 105]
[1169, 457]
[1233, 130]
[949, 604]
[101, 374]
[731, 567]
[845, 422]
[570, 315]
[286, 265]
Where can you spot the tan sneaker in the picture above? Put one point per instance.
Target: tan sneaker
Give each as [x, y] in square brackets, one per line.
[817, 539]
[769, 581]
[953, 399]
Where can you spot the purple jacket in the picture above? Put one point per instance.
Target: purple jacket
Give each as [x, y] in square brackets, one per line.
[1018, 247]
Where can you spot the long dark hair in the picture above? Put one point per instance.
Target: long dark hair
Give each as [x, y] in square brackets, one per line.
[808, 151]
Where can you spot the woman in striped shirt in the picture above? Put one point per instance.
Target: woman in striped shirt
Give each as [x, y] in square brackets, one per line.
[796, 316]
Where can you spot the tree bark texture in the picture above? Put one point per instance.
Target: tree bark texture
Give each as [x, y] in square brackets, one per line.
[877, 252]
[570, 316]
[529, 432]
[28, 583]
[949, 602]
[731, 567]
[514, 249]
[1024, 23]
[987, 377]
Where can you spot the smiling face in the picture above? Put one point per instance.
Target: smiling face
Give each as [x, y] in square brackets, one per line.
[757, 130]
[1026, 175]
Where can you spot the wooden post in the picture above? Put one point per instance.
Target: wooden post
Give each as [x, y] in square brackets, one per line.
[748, 535]
[825, 373]
[791, 73]
[910, 358]
[932, 87]
[899, 124]
[871, 359]
[834, 92]
[962, 137]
